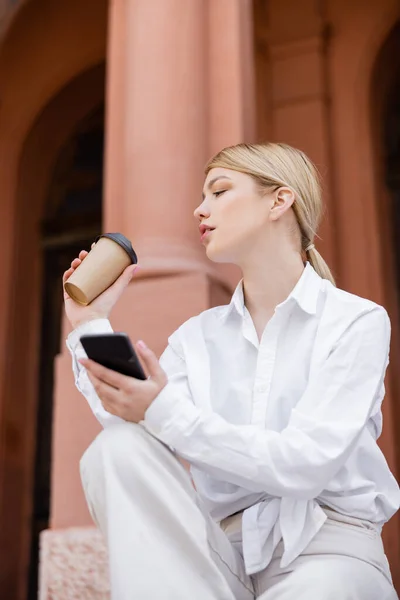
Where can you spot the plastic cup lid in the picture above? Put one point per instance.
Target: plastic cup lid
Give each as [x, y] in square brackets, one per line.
[123, 242]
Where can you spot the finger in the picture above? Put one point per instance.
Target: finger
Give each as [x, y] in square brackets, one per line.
[67, 274]
[110, 377]
[103, 390]
[151, 363]
[83, 254]
[93, 245]
[75, 263]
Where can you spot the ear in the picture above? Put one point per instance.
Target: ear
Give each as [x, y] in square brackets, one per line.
[284, 198]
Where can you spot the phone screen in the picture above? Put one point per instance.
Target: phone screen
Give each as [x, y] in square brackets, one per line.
[114, 351]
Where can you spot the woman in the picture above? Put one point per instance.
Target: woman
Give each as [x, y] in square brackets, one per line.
[273, 400]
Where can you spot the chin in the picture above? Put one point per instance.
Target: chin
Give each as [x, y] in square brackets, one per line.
[218, 255]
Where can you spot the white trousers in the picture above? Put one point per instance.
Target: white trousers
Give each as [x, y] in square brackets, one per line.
[163, 545]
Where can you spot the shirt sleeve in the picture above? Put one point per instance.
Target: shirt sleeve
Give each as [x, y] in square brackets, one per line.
[322, 432]
[170, 361]
[82, 380]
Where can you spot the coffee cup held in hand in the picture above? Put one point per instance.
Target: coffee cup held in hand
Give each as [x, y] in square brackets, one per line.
[107, 260]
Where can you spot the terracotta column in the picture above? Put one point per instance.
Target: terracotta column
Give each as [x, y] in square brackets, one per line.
[172, 100]
[157, 129]
[179, 90]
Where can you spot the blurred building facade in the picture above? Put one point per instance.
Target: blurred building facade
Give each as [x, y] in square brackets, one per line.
[108, 113]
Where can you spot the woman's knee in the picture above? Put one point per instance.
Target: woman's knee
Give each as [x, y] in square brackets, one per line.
[116, 443]
[124, 445]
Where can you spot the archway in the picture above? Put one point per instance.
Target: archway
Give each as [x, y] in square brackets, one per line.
[58, 206]
[71, 222]
[389, 105]
[385, 105]
[385, 118]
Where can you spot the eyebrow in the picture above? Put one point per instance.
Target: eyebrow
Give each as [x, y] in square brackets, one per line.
[211, 183]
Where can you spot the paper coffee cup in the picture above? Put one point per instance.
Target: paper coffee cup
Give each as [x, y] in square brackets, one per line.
[103, 265]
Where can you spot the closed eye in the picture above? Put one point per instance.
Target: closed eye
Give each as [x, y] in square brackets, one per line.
[216, 194]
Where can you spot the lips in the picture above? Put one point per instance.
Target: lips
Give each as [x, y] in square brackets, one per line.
[205, 230]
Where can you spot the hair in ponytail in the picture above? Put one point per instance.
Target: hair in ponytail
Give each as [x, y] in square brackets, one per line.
[318, 263]
[280, 165]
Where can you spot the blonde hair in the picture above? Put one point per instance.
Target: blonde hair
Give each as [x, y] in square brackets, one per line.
[280, 165]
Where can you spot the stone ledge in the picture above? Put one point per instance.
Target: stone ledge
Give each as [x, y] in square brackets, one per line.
[73, 565]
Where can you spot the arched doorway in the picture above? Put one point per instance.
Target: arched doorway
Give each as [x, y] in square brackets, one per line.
[385, 95]
[71, 222]
[391, 144]
[58, 207]
[385, 114]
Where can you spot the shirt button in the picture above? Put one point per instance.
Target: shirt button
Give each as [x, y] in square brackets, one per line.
[260, 388]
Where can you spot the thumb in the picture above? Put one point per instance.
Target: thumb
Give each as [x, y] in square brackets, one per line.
[151, 363]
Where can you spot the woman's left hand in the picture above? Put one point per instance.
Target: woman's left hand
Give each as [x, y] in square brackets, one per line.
[123, 396]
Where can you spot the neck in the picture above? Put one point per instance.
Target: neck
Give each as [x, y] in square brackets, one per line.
[268, 283]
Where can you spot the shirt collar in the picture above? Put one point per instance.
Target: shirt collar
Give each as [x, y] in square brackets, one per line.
[305, 293]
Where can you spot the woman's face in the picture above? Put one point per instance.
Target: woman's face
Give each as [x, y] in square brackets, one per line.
[234, 216]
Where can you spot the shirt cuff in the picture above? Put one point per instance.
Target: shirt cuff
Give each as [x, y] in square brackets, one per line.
[94, 326]
[169, 418]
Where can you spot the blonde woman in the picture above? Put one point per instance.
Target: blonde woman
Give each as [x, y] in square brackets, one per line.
[273, 400]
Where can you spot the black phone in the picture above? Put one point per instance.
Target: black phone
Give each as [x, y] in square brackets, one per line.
[113, 351]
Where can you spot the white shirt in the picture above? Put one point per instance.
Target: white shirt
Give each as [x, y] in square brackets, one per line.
[280, 427]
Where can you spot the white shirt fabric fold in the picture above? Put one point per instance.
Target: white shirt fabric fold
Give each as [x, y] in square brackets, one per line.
[277, 428]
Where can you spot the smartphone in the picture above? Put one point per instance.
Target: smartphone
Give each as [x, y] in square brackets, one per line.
[113, 351]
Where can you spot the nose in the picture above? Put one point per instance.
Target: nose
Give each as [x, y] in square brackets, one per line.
[202, 211]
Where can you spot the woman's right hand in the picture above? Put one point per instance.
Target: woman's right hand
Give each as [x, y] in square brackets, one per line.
[101, 306]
